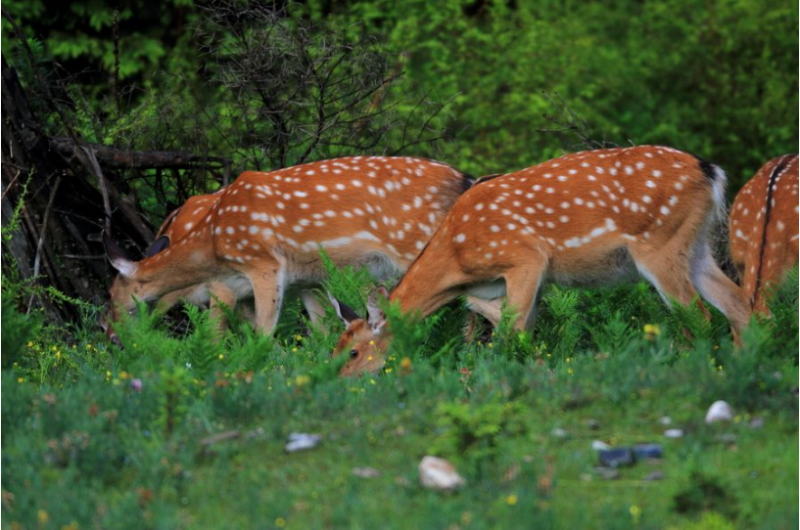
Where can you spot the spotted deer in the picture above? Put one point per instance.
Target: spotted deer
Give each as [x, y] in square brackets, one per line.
[583, 219]
[764, 228]
[263, 233]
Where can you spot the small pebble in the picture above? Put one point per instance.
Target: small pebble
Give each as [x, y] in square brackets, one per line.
[299, 441]
[607, 473]
[756, 423]
[439, 474]
[654, 475]
[726, 438]
[402, 482]
[593, 424]
[719, 411]
[673, 433]
[558, 432]
[366, 472]
[597, 445]
[665, 421]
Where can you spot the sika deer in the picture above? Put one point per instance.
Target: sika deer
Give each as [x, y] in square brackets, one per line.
[263, 233]
[764, 227]
[178, 224]
[582, 219]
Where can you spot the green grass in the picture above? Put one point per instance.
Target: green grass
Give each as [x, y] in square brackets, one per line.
[81, 447]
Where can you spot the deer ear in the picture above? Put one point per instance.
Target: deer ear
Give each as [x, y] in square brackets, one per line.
[103, 322]
[157, 246]
[376, 318]
[345, 313]
[117, 257]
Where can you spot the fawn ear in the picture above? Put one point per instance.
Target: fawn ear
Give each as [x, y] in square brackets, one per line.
[157, 246]
[103, 322]
[345, 313]
[376, 318]
[117, 257]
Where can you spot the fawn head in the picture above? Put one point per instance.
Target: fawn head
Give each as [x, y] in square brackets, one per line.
[126, 287]
[364, 340]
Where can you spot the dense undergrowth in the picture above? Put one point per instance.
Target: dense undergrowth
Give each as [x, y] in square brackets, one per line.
[97, 436]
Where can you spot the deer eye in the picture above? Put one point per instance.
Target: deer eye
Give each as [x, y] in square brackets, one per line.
[353, 354]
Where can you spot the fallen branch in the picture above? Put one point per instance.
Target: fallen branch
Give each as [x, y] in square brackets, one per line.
[115, 158]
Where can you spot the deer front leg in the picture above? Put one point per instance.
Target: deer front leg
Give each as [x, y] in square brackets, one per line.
[267, 280]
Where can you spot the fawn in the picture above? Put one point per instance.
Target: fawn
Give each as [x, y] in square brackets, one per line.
[583, 219]
[264, 232]
[763, 228]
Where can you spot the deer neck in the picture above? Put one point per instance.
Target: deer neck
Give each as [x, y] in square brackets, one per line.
[178, 267]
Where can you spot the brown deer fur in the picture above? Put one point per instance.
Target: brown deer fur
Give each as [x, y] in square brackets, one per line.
[587, 218]
[764, 227]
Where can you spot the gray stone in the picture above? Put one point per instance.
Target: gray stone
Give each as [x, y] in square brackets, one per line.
[558, 432]
[299, 441]
[366, 472]
[607, 473]
[673, 433]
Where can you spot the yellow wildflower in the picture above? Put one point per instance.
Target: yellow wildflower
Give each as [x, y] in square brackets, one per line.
[636, 513]
[652, 329]
[511, 500]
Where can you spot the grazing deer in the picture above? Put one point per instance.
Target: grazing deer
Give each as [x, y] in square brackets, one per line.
[178, 224]
[263, 233]
[583, 219]
[764, 228]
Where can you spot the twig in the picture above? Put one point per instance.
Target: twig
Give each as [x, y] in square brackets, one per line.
[11, 184]
[37, 261]
[85, 257]
[98, 173]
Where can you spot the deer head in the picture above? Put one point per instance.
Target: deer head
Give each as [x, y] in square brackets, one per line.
[364, 340]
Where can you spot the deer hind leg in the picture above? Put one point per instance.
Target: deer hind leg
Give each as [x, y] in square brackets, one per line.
[267, 279]
[489, 309]
[668, 270]
[475, 328]
[719, 290]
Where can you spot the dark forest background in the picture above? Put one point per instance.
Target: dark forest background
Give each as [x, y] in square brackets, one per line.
[115, 112]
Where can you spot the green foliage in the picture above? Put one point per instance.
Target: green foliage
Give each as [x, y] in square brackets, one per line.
[473, 434]
[408, 331]
[704, 493]
[152, 432]
[562, 332]
[17, 330]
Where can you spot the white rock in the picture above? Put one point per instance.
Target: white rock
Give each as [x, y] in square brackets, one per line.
[665, 421]
[299, 441]
[674, 433]
[558, 432]
[366, 472]
[597, 445]
[439, 474]
[719, 411]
